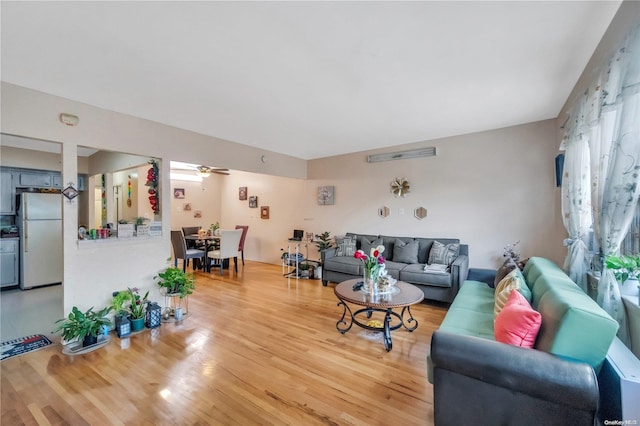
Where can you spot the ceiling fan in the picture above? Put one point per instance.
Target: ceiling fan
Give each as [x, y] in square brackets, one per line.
[205, 171]
[200, 170]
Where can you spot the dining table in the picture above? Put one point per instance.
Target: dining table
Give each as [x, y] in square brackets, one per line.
[211, 242]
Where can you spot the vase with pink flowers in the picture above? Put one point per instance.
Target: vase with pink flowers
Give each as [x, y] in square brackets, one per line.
[373, 264]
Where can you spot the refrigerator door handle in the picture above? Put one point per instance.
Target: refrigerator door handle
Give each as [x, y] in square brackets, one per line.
[26, 236]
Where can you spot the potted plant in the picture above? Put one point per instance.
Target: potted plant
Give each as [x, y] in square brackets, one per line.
[137, 308]
[323, 241]
[304, 269]
[140, 220]
[83, 326]
[215, 228]
[177, 283]
[120, 303]
[626, 270]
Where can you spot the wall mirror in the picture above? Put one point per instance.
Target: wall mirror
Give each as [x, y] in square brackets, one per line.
[420, 213]
[383, 211]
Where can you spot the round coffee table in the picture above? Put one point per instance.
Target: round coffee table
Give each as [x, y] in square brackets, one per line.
[402, 295]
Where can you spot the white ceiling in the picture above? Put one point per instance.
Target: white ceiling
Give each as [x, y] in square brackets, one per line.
[309, 79]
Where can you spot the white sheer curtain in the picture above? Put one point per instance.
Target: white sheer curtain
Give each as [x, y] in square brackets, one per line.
[602, 141]
[615, 162]
[576, 204]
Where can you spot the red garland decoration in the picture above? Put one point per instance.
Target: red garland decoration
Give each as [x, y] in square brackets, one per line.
[152, 183]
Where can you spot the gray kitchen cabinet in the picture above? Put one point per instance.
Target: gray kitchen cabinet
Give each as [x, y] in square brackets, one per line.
[9, 262]
[35, 180]
[7, 199]
[56, 180]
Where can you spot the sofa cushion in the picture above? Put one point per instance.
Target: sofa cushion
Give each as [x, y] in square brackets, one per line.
[346, 265]
[443, 253]
[367, 243]
[508, 266]
[389, 241]
[513, 281]
[415, 273]
[405, 252]
[471, 312]
[518, 323]
[574, 326]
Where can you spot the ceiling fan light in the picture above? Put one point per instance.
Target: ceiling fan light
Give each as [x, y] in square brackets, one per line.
[203, 173]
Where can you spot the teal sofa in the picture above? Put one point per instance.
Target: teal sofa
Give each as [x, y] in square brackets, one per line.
[478, 380]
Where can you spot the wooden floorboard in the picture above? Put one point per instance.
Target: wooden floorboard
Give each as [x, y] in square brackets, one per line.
[255, 348]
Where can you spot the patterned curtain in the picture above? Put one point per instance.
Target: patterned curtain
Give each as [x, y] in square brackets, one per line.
[576, 207]
[615, 162]
[576, 195]
[602, 141]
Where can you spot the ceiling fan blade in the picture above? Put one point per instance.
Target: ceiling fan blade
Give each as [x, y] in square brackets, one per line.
[221, 172]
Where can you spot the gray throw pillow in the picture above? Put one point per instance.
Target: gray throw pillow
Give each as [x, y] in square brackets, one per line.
[508, 266]
[443, 254]
[366, 245]
[405, 252]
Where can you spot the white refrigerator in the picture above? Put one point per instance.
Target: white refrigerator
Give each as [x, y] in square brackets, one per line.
[40, 221]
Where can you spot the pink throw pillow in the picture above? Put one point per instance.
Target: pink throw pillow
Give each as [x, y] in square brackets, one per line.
[518, 323]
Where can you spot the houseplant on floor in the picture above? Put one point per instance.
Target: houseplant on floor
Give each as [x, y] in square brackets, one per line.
[323, 242]
[83, 326]
[120, 302]
[176, 284]
[137, 308]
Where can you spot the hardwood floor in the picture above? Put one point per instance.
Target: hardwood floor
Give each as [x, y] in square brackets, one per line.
[256, 348]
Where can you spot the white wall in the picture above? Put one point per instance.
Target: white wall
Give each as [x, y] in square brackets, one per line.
[286, 199]
[488, 189]
[202, 196]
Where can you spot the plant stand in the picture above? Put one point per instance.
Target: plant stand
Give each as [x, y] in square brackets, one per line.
[171, 302]
[78, 349]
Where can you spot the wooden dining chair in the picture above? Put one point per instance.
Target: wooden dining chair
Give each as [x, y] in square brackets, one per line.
[180, 251]
[244, 228]
[229, 240]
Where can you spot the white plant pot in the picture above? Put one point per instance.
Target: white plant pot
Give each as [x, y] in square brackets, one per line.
[630, 287]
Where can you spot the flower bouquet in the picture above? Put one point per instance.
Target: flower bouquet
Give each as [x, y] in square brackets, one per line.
[373, 264]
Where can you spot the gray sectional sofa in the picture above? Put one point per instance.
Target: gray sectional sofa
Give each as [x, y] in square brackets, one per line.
[440, 286]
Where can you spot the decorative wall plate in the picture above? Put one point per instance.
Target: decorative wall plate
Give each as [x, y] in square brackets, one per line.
[400, 187]
[383, 211]
[420, 213]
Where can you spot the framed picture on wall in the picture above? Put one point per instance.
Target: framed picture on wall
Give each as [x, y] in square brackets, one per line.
[178, 193]
[253, 201]
[326, 195]
[242, 193]
[264, 212]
